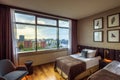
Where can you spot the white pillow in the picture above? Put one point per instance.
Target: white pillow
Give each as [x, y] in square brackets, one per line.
[91, 53]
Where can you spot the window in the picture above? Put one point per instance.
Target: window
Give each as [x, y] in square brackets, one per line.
[46, 37]
[24, 18]
[36, 33]
[63, 37]
[25, 37]
[64, 23]
[63, 33]
[25, 29]
[45, 21]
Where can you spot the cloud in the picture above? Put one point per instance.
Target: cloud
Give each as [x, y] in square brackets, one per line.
[24, 18]
[43, 32]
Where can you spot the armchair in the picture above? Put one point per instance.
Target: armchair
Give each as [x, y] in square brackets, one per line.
[8, 71]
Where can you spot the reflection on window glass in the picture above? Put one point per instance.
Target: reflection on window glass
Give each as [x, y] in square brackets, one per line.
[63, 23]
[24, 18]
[63, 38]
[46, 37]
[45, 21]
[25, 37]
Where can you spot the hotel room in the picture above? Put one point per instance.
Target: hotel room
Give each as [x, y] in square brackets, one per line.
[59, 40]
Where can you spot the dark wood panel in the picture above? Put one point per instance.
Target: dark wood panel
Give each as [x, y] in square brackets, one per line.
[117, 55]
[112, 53]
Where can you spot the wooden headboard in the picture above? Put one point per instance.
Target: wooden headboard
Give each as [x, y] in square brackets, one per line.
[112, 53]
[117, 55]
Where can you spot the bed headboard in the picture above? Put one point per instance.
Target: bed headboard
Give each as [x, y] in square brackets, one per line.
[100, 51]
[117, 55]
[112, 53]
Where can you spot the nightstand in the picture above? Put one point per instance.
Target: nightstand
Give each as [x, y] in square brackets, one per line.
[103, 63]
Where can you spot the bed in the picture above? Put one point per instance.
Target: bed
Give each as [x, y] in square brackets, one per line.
[109, 72]
[76, 67]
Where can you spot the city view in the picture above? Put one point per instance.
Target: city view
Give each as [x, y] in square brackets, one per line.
[29, 45]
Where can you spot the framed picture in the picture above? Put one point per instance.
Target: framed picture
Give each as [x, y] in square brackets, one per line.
[113, 20]
[113, 35]
[98, 36]
[98, 23]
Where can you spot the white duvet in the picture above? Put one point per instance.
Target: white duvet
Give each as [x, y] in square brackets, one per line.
[113, 67]
[90, 62]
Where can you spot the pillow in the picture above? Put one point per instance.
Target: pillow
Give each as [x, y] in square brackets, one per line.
[90, 53]
[84, 53]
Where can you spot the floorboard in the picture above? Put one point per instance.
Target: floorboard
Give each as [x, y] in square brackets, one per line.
[44, 72]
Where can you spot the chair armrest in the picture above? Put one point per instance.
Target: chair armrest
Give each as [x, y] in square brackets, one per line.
[21, 68]
[2, 78]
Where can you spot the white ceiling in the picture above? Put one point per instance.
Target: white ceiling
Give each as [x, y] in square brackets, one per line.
[75, 9]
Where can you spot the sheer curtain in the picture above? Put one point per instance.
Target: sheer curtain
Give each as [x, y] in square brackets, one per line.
[6, 49]
[13, 26]
[70, 39]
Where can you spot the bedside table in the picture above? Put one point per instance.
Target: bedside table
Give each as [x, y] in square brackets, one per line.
[103, 63]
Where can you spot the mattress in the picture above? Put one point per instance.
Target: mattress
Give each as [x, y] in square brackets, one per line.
[90, 62]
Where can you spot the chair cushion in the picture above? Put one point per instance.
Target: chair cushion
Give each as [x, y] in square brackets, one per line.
[15, 75]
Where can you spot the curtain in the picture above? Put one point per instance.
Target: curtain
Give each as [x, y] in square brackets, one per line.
[14, 35]
[74, 36]
[6, 48]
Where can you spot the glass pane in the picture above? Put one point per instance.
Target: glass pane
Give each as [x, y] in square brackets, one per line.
[46, 37]
[45, 21]
[63, 23]
[24, 18]
[25, 37]
[63, 38]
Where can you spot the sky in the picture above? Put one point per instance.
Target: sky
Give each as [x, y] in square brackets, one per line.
[42, 31]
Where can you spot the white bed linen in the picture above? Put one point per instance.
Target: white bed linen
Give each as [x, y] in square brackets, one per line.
[113, 67]
[90, 62]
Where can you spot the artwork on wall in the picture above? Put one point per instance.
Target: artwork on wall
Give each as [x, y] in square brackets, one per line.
[98, 23]
[113, 35]
[113, 20]
[98, 36]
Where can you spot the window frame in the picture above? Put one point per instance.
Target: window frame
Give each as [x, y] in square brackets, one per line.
[36, 24]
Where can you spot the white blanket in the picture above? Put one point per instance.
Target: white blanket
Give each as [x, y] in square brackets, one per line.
[113, 67]
[90, 62]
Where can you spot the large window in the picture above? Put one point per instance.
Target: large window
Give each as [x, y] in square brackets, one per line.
[36, 33]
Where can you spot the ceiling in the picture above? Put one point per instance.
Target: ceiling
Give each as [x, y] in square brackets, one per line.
[75, 9]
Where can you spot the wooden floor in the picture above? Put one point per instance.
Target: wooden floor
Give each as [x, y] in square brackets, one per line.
[44, 72]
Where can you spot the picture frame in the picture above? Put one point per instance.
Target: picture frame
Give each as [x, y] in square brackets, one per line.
[98, 36]
[98, 23]
[113, 20]
[113, 36]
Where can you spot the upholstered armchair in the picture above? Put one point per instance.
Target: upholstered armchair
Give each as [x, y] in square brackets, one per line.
[8, 71]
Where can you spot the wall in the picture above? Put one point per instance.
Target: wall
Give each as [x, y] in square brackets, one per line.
[85, 30]
[41, 58]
